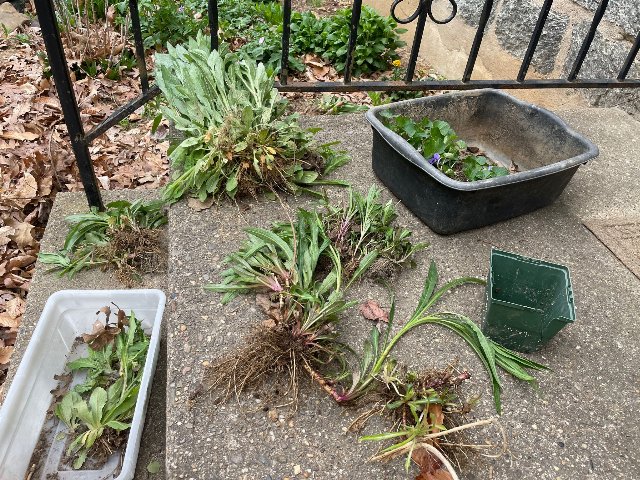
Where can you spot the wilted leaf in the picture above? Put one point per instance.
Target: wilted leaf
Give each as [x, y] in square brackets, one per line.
[271, 308]
[63, 386]
[436, 416]
[13, 135]
[5, 355]
[107, 312]
[430, 467]
[123, 320]
[24, 191]
[20, 261]
[101, 335]
[153, 467]
[15, 307]
[5, 233]
[198, 206]
[22, 233]
[9, 321]
[371, 310]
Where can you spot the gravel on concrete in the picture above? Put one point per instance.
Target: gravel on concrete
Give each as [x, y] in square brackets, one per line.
[582, 421]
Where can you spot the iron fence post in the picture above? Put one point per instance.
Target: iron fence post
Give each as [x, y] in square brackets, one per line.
[57, 61]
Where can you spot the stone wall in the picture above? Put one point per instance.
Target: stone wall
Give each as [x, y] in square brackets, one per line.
[513, 21]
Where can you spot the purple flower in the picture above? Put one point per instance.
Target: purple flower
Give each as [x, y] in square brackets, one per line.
[181, 9]
[435, 159]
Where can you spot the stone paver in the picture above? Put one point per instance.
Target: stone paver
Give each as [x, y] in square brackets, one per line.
[581, 422]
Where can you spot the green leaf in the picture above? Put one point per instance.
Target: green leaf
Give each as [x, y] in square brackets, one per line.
[153, 467]
[232, 184]
[118, 425]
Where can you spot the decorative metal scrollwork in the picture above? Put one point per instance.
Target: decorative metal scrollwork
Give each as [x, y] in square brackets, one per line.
[423, 6]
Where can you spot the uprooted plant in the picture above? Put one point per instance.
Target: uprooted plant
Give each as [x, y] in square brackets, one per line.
[303, 301]
[237, 138]
[420, 402]
[379, 346]
[365, 226]
[123, 237]
[96, 412]
[302, 296]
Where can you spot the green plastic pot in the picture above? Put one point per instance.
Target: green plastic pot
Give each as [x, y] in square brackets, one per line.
[528, 301]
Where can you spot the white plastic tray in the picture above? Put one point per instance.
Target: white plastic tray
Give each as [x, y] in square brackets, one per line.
[66, 315]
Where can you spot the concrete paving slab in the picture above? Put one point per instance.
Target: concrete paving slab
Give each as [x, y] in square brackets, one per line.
[581, 422]
[46, 283]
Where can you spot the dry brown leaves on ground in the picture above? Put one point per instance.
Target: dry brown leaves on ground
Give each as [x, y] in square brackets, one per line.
[36, 159]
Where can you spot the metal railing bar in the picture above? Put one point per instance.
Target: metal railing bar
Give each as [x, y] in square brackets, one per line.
[57, 61]
[535, 38]
[586, 44]
[121, 112]
[212, 13]
[286, 38]
[477, 41]
[630, 58]
[353, 38]
[452, 85]
[139, 44]
[417, 40]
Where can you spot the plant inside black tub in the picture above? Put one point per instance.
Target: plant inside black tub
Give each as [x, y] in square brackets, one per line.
[468, 159]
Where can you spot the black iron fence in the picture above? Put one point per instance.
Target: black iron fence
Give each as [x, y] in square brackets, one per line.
[80, 140]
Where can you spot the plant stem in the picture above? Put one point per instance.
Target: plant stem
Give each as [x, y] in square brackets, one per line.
[324, 384]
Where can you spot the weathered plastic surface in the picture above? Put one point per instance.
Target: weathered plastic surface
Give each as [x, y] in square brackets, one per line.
[66, 315]
[545, 149]
[528, 301]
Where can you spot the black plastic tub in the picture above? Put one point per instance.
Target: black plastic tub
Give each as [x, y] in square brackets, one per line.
[546, 150]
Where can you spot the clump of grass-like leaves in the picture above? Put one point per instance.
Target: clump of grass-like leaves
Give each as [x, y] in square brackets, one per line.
[237, 138]
[122, 237]
[364, 226]
[300, 276]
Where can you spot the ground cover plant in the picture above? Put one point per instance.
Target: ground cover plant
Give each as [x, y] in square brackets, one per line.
[438, 143]
[124, 237]
[97, 411]
[237, 138]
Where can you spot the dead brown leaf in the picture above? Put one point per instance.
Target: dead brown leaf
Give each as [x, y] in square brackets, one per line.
[436, 416]
[15, 307]
[371, 310]
[25, 190]
[198, 206]
[22, 233]
[13, 135]
[9, 321]
[5, 356]
[101, 335]
[430, 467]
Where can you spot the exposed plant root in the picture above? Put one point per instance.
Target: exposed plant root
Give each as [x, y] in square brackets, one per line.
[323, 382]
[383, 457]
[133, 252]
[359, 423]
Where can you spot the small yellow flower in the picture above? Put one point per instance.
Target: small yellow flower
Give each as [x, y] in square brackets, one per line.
[396, 63]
